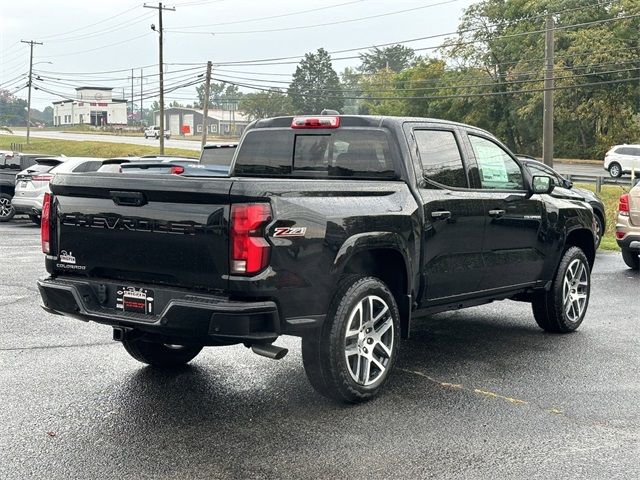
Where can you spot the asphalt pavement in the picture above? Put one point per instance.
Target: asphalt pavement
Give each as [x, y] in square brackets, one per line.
[478, 393]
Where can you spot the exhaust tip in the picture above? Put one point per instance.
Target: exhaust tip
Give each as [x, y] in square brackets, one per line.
[269, 350]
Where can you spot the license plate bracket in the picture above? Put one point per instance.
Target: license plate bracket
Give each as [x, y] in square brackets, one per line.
[135, 300]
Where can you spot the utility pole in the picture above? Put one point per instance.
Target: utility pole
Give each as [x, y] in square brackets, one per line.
[131, 98]
[160, 8]
[547, 119]
[205, 107]
[31, 44]
[141, 109]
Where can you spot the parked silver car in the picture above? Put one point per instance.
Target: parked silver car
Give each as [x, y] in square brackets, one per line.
[33, 183]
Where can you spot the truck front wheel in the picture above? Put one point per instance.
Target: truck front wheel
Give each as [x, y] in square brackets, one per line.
[351, 358]
[563, 307]
[159, 354]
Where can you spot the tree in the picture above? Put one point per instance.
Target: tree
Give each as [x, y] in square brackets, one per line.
[13, 110]
[395, 58]
[315, 85]
[47, 115]
[222, 96]
[265, 104]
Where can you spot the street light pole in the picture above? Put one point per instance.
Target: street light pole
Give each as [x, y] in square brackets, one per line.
[31, 44]
[160, 8]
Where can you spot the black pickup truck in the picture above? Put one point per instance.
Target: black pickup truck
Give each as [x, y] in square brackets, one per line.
[337, 229]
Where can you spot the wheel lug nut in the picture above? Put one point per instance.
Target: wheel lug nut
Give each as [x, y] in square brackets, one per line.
[369, 341]
[365, 350]
[368, 330]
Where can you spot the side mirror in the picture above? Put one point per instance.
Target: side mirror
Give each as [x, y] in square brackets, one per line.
[541, 184]
[568, 184]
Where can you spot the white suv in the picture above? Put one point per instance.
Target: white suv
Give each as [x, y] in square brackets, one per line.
[622, 159]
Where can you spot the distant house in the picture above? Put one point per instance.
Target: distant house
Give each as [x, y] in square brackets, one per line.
[91, 106]
[220, 122]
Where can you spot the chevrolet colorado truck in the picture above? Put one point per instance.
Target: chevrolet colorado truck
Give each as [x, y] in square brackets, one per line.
[336, 229]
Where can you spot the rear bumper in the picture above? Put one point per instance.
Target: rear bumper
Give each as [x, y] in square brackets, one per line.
[180, 316]
[30, 205]
[630, 233]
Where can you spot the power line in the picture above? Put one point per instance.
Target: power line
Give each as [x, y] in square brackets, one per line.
[110, 30]
[98, 48]
[304, 27]
[257, 19]
[84, 27]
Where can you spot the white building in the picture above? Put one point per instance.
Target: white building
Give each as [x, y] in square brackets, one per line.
[92, 106]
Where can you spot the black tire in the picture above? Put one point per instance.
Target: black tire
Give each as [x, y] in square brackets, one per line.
[631, 258]
[549, 307]
[159, 354]
[599, 228]
[145, 137]
[7, 211]
[324, 353]
[615, 170]
[34, 218]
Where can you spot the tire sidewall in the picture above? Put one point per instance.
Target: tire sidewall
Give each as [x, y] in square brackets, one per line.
[11, 213]
[569, 256]
[612, 167]
[360, 288]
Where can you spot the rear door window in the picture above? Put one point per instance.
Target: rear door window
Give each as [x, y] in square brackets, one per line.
[441, 158]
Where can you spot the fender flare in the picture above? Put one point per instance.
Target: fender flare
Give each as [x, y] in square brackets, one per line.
[363, 242]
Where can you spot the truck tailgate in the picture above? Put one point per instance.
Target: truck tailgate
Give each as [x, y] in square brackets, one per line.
[157, 229]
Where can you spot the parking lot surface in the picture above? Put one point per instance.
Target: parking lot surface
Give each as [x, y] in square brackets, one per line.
[478, 393]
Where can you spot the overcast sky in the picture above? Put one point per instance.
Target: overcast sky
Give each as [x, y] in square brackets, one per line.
[84, 38]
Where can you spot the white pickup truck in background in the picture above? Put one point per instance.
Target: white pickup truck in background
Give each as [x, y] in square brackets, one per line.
[154, 132]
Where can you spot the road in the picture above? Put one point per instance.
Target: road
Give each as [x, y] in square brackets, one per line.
[478, 393]
[563, 168]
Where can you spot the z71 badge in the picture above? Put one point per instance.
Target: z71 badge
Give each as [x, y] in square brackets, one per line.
[290, 231]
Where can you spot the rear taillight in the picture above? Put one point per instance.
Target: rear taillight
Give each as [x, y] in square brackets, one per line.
[249, 247]
[42, 178]
[623, 205]
[45, 224]
[177, 170]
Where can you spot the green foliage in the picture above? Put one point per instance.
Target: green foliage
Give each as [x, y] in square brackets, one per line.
[265, 104]
[222, 96]
[12, 109]
[395, 58]
[491, 75]
[315, 85]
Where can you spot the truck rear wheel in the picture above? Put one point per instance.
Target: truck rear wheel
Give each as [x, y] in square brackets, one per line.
[631, 258]
[563, 307]
[351, 358]
[159, 354]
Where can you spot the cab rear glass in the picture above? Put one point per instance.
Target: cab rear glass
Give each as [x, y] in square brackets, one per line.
[331, 153]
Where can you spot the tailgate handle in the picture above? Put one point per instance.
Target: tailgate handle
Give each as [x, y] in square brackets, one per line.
[128, 199]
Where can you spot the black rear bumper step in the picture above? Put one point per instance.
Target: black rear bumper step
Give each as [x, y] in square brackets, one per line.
[204, 319]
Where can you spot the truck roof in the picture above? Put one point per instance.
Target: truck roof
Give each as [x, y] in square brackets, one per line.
[371, 121]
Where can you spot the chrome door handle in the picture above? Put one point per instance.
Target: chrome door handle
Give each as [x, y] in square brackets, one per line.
[497, 213]
[441, 215]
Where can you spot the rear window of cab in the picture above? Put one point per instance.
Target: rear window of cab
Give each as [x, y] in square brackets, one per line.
[358, 153]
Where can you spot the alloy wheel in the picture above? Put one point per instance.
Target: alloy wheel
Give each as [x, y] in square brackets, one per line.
[575, 290]
[369, 340]
[5, 207]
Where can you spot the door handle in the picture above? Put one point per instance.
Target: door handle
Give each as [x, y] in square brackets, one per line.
[441, 215]
[497, 213]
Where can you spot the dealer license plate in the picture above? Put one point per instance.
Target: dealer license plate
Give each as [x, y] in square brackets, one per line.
[134, 299]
